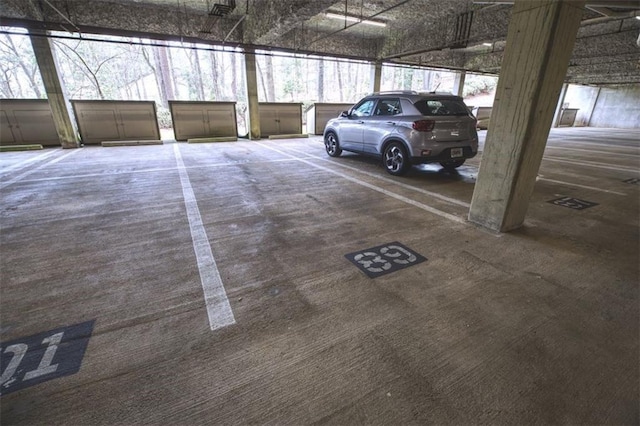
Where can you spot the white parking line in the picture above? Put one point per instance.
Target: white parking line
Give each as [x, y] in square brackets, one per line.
[28, 161]
[155, 170]
[582, 186]
[594, 151]
[215, 297]
[41, 166]
[593, 164]
[425, 207]
[395, 182]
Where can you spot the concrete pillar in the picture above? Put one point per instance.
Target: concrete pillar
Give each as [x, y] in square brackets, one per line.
[540, 39]
[458, 83]
[252, 93]
[55, 89]
[558, 114]
[376, 76]
[593, 108]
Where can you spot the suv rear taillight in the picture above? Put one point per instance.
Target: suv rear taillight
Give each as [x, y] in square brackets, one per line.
[423, 125]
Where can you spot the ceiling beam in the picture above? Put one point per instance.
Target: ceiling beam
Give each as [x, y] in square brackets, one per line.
[629, 4]
[269, 21]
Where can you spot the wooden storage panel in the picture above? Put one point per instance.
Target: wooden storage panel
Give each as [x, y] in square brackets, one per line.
[320, 113]
[280, 118]
[568, 117]
[27, 121]
[203, 119]
[100, 121]
[483, 115]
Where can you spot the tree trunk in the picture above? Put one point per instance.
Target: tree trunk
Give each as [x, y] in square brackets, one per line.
[162, 75]
[356, 82]
[339, 77]
[242, 83]
[174, 80]
[234, 79]
[29, 73]
[270, 89]
[261, 74]
[321, 80]
[427, 80]
[166, 72]
[408, 79]
[215, 77]
[198, 76]
[7, 91]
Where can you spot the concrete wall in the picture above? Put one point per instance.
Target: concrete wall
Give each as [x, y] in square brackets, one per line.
[617, 106]
[584, 99]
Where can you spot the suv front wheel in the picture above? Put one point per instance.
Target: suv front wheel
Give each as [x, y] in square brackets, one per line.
[395, 159]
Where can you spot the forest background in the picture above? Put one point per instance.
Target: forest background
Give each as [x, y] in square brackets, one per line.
[117, 68]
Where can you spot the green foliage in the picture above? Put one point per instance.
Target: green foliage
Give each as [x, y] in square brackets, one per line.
[164, 117]
[479, 84]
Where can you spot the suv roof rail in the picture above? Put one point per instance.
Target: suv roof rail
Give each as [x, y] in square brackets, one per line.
[437, 93]
[396, 92]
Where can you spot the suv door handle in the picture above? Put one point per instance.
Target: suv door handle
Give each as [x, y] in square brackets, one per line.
[360, 122]
[391, 122]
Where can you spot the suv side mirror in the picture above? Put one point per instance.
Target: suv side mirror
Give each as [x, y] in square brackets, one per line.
[344, 114]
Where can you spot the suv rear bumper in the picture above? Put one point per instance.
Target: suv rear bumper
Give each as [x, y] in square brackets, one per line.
[444, 156]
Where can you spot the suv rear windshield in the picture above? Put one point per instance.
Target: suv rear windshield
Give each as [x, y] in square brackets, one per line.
[441, 107]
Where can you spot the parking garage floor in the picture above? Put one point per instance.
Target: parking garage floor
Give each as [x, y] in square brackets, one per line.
[210, 284]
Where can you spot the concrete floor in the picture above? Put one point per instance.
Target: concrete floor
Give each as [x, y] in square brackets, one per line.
[540, 325]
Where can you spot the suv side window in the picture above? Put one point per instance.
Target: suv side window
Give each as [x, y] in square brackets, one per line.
[441, 107]
[388, 107]
[364, 109]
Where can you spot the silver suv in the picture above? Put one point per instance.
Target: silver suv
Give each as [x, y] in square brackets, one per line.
[406, 128]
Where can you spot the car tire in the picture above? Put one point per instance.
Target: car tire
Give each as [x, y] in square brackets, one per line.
[452, 165]
[332, 145]
[395, 159]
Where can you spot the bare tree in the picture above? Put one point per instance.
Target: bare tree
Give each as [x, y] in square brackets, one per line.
[78, 60]
[321, 80]
[6, 86]
[215, 76]
[234, 78]
[262, 83]
[270, 86]
[30, 70]
[174, 80]
[339, 77]
[163, 77]
[195, 75]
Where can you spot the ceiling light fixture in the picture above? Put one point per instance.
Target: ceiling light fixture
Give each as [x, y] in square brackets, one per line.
[354, 19]
[487, 44]
[638, 17]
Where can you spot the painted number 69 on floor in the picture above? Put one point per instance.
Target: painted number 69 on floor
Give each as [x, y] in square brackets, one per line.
[384, 259]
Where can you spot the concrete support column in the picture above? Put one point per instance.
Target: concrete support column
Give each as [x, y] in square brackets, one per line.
[376, 76]
[55, 89]
[540, 39]
[458, 83]
[593, 108]
[252, 93]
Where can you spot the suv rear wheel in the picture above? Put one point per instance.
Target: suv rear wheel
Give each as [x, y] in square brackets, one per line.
[395, 159]
[332, 145]
[452, 165]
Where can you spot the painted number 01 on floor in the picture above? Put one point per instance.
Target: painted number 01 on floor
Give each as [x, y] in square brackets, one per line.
[384, 259]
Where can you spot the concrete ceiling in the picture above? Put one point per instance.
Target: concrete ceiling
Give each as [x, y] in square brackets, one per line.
[436, 33]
